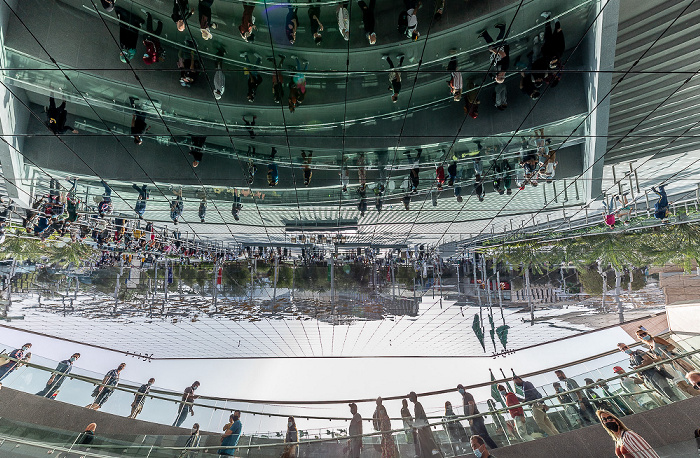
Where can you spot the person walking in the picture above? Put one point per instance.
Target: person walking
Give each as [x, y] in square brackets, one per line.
[661, 206]
[247, 26]
[103, 391]
[499, 53]
[277, 79]
[185, 405]
[355, 443]
[140, 398]
[583, 405]
[315, 23]
[368, 19]
[455, 431]
[197, 143]
[539, 408]
[427, 443]
[181, 13]
[219, 76]
[409, 430]
[205, 22]
[17, 356]
[517, 413]
[477, 423]
[254, 77]
[291, 24]
[571, 413]
[273, 177]
[634, 385]
[306, 160]
[394, 76]
[231, 435]
[664, 349]
[236, 206]
[176, 205]
[140, 207]
[628, 444]
[154, 49]
[291, 439]
[57, 117]
[192, 442]
[58, 376]
[343, 16]
[640, 359]
[138, 122]
[87, 436]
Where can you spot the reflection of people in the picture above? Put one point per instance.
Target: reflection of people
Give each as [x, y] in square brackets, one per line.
[516, 413]
[196, 148]
[272, 172]
[87, 436]
[140, 398]
[237, 205]
[627, 442]
[181, 12]
[477, 423]
[394, 76]
[192, 441]
[640, 359]
[232, 434]
[661, 206]
[247, 23]
[315, 22]
[389, 448]
[355, 429]
[58, 376]
[425, 435]
[56, 118]
[19, 356]
[408, 428]
[185, 406]
[583, 406]
[291, 439]
[306, 157]
[539, 409]
[663, 349]
[368, 20]
[102, 392]
[455, 431]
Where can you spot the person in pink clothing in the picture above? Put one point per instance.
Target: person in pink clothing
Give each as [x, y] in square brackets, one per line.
[609, 212]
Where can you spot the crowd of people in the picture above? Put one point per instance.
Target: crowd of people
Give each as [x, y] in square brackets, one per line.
[654, 384]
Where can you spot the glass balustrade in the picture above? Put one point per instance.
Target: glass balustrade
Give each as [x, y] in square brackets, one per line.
[598, 384]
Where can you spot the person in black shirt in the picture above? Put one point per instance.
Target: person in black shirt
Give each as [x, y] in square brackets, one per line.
[140, 398]
[554, 45]
[477, 423]
[196, 148]
[181, 12]
[138, 122]
[87, 436]
[292, 23]
[316, 26]
[368, 20]
[57, 116]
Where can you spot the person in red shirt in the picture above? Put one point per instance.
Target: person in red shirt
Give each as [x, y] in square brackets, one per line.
[154, 50]
[518, 413]
[440, 176]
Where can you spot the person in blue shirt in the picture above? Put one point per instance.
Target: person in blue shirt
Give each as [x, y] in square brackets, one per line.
[661, 206]
[539, 409]
[11, 365]
[58, 376]
[231, 436]
[140, 207]
[272, 173]
[102, 392]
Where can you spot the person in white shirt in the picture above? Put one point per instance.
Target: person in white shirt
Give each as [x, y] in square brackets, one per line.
[343, 16]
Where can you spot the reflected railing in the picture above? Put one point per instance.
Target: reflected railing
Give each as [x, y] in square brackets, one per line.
[599, 389]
